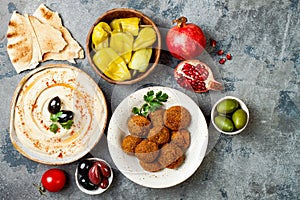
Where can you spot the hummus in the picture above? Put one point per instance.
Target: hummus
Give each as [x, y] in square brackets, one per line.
[30, 127]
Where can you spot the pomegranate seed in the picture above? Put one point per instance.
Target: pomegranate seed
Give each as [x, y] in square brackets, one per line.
[213, 42]
[228, 56]
[222, 61]
[220, 52]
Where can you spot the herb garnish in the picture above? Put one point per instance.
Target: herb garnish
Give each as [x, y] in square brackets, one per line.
[153, 102]
[55, 119]
[53, 128]
[67, 125]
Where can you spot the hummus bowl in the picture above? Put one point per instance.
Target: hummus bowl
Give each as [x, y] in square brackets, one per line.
[30, 119]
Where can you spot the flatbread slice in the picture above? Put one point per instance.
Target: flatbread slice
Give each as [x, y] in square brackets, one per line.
[45, 15]
[22, 45]
[72, 50]
[49, 38]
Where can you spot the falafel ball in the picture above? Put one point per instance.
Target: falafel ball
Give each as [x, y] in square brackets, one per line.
[156, 117]
[129, 143]
[181, 138]
[177, 117]
[159, 134]
[169, 153]
[146, 151]
[151, 167]
[177, 163]
[138, 126]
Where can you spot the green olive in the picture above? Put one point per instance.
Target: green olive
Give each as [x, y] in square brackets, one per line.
[224, 123]
[239, 118]
[228, 115]
[227, 106]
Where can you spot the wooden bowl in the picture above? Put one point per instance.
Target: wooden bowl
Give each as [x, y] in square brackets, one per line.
[125, 13]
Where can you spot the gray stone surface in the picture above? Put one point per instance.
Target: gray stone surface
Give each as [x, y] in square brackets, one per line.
[263, 162]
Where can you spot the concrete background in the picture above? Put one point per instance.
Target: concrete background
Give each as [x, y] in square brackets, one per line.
[263, 162]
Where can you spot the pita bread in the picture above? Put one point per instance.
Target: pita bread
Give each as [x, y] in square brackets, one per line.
[45, 15]
[21, 45]
[72, 50]
[49, 38]
[37, 38]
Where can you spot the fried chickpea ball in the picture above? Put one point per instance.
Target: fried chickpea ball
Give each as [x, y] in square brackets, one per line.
[169, 153]
[129, 143]
[181, 138]
[156, 117]
[177, 117]
[159, 134]
[146, 151]
[177, 163]
[151, 167]
[139, 126]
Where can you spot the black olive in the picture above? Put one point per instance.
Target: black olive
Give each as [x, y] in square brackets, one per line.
[65, 116]
[84, 167]
[84, 182]
[54, 105]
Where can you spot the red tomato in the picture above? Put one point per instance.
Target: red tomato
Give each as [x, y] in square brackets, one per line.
[53, 180]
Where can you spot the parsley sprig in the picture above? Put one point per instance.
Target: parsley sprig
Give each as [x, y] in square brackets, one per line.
[152, 102]
[54, 118]
[67, 124]
[53, 128]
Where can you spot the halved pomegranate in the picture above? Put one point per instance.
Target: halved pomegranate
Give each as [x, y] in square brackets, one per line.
[196, 75]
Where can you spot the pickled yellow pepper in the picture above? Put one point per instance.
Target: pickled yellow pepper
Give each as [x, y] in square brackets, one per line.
[111, 64]
[140, 59]
[122, 43]
[100, 35]
[145, 38]
[130, 25]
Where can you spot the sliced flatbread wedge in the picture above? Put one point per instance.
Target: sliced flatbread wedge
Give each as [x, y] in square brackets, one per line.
[49, 38]
[22, 45]
[46, 15]
[72, 50]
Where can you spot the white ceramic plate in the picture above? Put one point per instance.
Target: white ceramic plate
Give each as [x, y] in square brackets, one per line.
[129, 165]
[30, 119]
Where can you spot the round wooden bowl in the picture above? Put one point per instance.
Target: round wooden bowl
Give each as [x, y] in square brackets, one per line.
[125, 13]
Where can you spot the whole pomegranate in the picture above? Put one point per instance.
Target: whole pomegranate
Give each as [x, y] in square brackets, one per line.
[196, 75]
[186, 40]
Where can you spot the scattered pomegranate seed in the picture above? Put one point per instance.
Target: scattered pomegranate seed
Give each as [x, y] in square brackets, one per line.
[220, 52]
[213, 42]
[222, 61]
[228, 56]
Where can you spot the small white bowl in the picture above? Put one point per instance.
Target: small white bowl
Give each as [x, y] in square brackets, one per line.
[214, 113]
[99, 190]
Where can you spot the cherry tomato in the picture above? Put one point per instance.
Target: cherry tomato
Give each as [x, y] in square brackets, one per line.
[53, 180]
